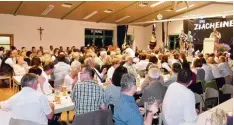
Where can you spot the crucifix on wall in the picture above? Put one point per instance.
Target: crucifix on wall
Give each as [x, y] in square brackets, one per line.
[40, 29]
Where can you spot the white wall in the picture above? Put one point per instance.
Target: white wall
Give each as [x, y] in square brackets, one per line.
[138, 32]
[56, 32]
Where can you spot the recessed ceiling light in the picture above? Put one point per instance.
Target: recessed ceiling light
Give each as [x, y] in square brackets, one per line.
[121, 19]
[156, 4]
[143, 4]
[90, 15]
[108, 11]
[185, 8]
[67, 5]
[47, 10]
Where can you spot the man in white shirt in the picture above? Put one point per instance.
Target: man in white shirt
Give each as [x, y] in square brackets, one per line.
[29, 104]
[179, 102]
[130, 52]
[61, 69]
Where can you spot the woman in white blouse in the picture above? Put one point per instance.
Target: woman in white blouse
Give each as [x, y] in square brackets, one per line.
[164, 64]
[21, 67]
[208, 72]
[224, 67]
[71, 78]
[214, 67]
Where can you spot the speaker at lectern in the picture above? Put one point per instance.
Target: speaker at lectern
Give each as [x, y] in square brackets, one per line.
[208, 45]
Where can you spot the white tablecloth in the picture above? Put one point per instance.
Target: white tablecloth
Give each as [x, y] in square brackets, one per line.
[226, 106]
[17, 79]
[4, 117]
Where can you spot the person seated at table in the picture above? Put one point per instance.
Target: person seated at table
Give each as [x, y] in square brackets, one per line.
[142, 64]
[107, 64]
[176, 59]
[36, 62]
[214, 67]
[149, 79]
[28, 104]
[224, 68]
[179, 102]
[130, 66]
[176, 67]
[153, 63]
[200, 73]
[183, 60]
[21, 67]
[72, 77]
[91, 62]
[126, 112]
[112, 91]
[61, 69]
[48, 69]
[208, 72]
[164, 64]
[7, 63]
[88, 96]
[194, 76]
[217, 57]
[115, 64]
[155, 89]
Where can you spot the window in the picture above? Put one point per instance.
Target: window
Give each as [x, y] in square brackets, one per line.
[98, 37]
[6, 41]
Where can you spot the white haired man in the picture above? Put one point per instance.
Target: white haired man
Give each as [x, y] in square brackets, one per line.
[29, 104]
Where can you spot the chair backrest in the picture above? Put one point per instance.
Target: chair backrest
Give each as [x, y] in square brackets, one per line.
[220, 82]
[211, 84]
[227, 89]
[100, 117]
[22, 122]
[196, 88]
[229, 79]
[211, 93]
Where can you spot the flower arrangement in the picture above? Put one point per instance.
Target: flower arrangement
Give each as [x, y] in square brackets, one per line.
[222, 47]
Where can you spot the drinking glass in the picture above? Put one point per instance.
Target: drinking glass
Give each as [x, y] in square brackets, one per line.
[64, 89]
[57, 95]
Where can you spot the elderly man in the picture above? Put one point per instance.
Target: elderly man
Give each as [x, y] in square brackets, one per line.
[126, 111]
[88, 96]
[130, 66]
[29, 104]
[179, 101]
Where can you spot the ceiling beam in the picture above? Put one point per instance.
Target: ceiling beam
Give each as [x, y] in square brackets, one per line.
[229, 3]
[185, 11]
[152, 13]
[72, 10]
[17, 9]
[116, 12]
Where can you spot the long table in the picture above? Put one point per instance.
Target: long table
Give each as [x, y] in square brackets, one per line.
[226, 106]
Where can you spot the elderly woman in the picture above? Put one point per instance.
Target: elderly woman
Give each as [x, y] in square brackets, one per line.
[154, 89]
[115, 64]
[112, 92]
[21, 67]
[214, 67]
[71, 78]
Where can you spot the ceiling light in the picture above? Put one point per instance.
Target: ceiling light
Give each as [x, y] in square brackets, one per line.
[121, 19]
[185, 8]
[169, 10]
[47, 10]
[224, 16]
[108, 11]
[67, 5]
[143, 4]
[90, 15]
[156, 4]
[159, 16]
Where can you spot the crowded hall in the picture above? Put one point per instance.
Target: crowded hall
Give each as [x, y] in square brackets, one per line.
[116, 62]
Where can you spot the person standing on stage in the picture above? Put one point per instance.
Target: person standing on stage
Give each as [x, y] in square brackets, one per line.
[216, 35]
[183, 38]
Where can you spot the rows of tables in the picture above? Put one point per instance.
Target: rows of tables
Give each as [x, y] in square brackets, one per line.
[67, 105]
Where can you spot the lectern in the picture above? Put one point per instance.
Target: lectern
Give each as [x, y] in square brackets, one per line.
[208, 45]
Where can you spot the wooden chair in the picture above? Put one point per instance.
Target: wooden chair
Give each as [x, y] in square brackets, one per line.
[211, 96]
[211, 84]
[6, 78]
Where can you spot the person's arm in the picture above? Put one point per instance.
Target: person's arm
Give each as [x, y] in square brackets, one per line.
[153, 109]
[102, 106]
[47, 108]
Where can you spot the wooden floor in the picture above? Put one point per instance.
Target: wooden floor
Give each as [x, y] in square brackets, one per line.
[6, 93]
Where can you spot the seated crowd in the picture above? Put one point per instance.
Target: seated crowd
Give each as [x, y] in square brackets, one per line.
[100, 78]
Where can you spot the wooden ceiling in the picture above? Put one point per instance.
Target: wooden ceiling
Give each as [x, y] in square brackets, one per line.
[80, 9]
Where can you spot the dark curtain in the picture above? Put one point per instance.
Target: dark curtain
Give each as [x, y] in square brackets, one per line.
[163, 33]
[121, 33]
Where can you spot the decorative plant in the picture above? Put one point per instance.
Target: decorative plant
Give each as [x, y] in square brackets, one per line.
[222, 47]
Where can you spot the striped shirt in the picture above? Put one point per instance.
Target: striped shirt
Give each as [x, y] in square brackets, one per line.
[87, 96]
